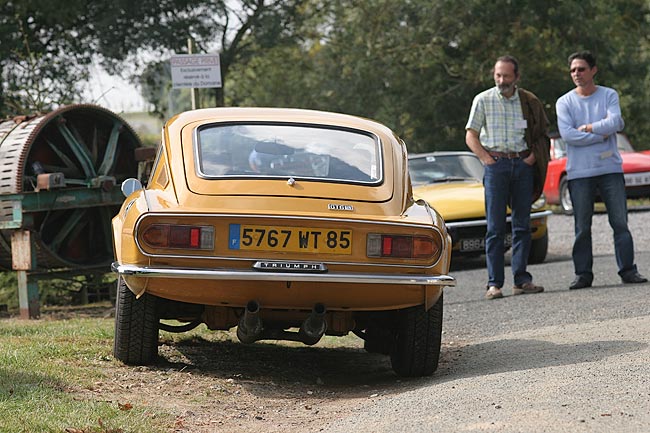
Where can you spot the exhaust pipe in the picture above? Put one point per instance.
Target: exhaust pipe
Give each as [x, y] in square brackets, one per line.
[314, 327]
[250, 325]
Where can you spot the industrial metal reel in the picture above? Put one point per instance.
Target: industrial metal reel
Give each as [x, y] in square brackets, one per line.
[60, 174]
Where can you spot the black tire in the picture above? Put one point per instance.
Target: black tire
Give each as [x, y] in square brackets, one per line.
[416, 350]
[136, 327]
[538, 250]
[378, 340]
[565, 197]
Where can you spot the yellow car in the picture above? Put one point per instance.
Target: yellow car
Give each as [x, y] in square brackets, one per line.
[452, 182]
[288, 224]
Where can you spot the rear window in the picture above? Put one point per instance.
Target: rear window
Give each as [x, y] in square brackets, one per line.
[287, 150]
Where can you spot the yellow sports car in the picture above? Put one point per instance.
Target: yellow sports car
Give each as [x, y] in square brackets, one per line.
[289, 224]
[451, 182]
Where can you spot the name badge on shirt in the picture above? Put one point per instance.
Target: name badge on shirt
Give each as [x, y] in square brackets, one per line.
[607, 154]
[521, 124]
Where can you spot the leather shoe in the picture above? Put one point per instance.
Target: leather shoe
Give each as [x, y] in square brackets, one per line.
[634, 278]
[493, 292]
[526, 288]
[580, 283]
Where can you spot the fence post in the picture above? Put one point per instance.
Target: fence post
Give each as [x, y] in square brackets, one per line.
[23, 259]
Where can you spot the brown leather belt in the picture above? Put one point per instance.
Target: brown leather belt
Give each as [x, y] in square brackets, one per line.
[509, 155]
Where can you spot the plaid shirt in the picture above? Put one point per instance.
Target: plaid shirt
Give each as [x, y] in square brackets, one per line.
[498, 120]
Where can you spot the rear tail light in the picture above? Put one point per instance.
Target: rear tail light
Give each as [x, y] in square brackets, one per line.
[179, 236]
[403, 246]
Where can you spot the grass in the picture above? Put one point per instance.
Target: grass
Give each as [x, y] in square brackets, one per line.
[58, 375]
[48, 367]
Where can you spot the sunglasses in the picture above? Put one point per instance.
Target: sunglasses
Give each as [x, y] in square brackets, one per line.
[580, 69]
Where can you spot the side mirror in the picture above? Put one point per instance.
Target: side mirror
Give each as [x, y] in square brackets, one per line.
[130, 186]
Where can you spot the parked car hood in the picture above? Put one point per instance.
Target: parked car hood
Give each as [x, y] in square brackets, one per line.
[457, 200]
[635, 162]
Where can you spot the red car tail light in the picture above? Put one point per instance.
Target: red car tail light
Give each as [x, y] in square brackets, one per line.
[403, 246]
[179, 236]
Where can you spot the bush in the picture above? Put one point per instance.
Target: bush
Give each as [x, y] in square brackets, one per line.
[73, 290]
[9, 290]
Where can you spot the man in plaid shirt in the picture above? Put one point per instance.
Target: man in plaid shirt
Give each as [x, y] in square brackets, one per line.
[502, 137]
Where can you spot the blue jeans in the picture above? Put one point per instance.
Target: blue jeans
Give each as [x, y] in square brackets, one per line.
[612, 192]
[508, 182]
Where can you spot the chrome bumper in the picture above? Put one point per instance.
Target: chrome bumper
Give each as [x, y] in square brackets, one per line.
[329, 277]
[483, 222]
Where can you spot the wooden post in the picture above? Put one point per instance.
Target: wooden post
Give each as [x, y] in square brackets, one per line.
[23, 259]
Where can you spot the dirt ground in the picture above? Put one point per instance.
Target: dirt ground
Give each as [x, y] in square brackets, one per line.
[220, 384]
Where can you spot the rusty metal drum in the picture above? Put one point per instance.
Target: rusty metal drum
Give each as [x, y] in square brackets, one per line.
[60, 174]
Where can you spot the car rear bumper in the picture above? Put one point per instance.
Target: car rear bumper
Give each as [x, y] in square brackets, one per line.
[251, 275]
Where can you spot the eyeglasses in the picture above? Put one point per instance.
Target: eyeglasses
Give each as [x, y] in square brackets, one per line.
[580, 69]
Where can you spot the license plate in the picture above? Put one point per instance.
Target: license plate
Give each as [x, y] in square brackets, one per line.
[478, 244]
[312, 240]
[634, 179]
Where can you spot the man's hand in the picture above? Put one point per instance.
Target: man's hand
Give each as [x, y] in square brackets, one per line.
[530, 159]
[474, 144]
[487, 159]
[585, 128]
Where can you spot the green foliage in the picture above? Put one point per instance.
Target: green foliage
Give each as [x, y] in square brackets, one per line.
[416, 65]
[412, 64]
[43, 58]
[56, 291]
[258, 26]
[9, 290]
[47, 46]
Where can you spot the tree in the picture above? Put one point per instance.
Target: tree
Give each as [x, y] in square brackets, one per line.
[42, 56]
[235, 30]
[416, 65]
[412, 64]
[50, 43]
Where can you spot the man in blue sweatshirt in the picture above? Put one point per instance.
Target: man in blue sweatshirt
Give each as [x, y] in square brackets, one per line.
[588, 118]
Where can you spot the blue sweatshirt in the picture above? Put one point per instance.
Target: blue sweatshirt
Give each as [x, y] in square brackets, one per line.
[591, 153]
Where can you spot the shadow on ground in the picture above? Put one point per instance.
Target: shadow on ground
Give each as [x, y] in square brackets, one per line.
[510, 355]
[347, 370]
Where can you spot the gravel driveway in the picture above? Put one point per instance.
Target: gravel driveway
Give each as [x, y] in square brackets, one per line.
[561, 232]
[560, 361]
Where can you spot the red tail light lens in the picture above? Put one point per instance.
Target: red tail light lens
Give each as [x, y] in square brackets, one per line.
[410, 247]
[179, 236]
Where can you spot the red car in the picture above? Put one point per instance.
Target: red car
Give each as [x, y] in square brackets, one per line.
[636, 167]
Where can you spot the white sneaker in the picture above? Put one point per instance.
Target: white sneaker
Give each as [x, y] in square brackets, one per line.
[493, 292]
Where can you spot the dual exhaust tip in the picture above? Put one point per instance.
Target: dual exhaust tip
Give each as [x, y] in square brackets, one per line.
[251, 328]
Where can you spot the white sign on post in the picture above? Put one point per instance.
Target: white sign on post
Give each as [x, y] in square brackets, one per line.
[195, 70]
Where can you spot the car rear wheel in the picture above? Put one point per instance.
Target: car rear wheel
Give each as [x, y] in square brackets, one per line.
[136, 327]
[538, 249]
[565, 197]
[378, 340]
[417, 344]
